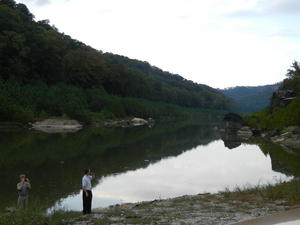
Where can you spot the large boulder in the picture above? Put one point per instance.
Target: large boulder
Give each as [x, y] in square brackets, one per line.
[138, 122]
[232, 122]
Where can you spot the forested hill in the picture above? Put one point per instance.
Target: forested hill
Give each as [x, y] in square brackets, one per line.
[46, 72]
[251, 99]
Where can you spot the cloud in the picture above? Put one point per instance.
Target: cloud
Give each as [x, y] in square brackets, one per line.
[269, 8]
[41, 3]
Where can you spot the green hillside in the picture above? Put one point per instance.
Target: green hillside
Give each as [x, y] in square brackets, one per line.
[44, 72]
[251, 99]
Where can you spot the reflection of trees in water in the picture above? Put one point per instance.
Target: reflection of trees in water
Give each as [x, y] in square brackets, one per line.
[55, 162]
[282, 160]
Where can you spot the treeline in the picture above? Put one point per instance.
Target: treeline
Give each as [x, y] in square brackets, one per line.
[40, 101]
[278, 116]
[35, 54]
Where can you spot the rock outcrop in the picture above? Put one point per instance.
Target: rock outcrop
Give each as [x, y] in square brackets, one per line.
[289, 137]
[232, 131]
[282, 98]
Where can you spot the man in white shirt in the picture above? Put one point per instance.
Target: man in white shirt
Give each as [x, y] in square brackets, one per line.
[87, 191]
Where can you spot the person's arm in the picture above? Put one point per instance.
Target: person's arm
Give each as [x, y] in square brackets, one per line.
[92, 175]
[28, 183]
[20, 186]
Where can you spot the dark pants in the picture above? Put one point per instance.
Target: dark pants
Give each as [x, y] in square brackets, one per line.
[87, 202]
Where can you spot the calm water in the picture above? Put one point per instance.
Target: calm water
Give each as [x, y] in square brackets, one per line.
[135, 164]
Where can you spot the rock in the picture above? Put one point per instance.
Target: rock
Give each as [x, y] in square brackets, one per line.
[292, 142]
[232, 121]
[245, 133]
[231, 141]
[230, 126]
[129, 123]
[10, 209]
[138, 122]
[57, 126]
[256, 132]
[282, 98]
[277, 139]
[292, 130]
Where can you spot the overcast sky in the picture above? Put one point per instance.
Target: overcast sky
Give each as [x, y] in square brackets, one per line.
[221, 43]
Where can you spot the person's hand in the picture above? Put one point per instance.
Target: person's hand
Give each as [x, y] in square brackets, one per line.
[86, 194]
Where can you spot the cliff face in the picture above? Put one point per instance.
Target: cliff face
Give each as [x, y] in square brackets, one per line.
[282, 98]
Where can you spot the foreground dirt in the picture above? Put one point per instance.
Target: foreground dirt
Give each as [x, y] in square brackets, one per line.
[290, 217]
[203, 209]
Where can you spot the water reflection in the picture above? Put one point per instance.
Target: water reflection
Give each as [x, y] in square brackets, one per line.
[134, 164]
[210, 168]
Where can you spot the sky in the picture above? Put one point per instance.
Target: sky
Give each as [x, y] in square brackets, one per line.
[220, 43]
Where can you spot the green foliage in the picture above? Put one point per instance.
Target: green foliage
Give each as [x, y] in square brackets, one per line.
[43, 70]
[287, 191]
[294, 71]
[292, 84]
[27, 103]
[35, 215]
[280, 118]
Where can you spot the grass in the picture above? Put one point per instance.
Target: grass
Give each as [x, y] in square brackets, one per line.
[285, 191]
[35, 215]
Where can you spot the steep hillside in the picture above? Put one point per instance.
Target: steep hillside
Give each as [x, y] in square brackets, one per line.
[45, 72]
[251, 99]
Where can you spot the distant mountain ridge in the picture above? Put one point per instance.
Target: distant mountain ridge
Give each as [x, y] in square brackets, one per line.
[251, 99]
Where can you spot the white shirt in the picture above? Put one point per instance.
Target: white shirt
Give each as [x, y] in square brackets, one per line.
[86, 182]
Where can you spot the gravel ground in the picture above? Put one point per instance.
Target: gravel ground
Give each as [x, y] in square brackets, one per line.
[203, 209]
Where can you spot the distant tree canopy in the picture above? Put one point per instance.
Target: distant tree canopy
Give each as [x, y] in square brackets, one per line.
[34, 53]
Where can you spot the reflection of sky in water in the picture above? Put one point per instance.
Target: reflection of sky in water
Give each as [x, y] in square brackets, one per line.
[210, 168]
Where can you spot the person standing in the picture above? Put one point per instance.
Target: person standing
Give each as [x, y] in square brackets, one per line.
[23, 188]
[87, 191]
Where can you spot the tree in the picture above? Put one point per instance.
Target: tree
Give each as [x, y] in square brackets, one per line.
[294, 71]
[25, 12]
[10, 3]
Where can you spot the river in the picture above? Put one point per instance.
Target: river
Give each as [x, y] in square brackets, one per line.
[135, 164]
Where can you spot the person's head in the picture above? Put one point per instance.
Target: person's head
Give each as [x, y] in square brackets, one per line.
[87, 172]
[22, 177]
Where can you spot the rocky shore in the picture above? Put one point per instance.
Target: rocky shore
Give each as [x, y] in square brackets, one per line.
[70, 126]
[234, 132]
[202, 209]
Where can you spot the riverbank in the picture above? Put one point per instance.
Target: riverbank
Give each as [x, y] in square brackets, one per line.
[215, 209]
[227, 207]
